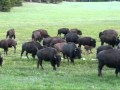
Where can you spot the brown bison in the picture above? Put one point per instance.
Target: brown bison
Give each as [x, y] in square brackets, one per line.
[59, 46]
[110, 58]
[36, 36]
[31, 47]
[48, 54]
[5, 44]
[44, 33]
[109, 36]
[77, 31]
[11, 33]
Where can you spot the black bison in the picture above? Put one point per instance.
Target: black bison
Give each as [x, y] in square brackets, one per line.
[110, 58]
[31, 47]
[59, 46]
[1, 60]
[109, 36]
[72, 37]
[101, 48]
[44, 33]
[63, 31]
[75, 30]
[48, 54]
[87, 41]
[70, 50]
[5, 44]
[36, 36]
[11, 33]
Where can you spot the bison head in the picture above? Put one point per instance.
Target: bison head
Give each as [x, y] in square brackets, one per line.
[93, 43]
[77, 52]
[100, 34]
[57, 59]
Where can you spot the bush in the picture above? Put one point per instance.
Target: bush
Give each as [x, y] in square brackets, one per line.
[5, 5]
[18, 3]
[13, 3]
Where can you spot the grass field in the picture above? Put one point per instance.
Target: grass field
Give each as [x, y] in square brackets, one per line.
[89, 17]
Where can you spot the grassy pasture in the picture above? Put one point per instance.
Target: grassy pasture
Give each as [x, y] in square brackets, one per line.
[89, 17]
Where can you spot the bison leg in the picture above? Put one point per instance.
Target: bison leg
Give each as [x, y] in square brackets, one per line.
[14, 49]
[27, 55]
[33, 56]
[5, 51]
[102, 43]
[116, 72]
[14, 36]
[22, 53]
[100, 66]
[40, 62]
[53, 64]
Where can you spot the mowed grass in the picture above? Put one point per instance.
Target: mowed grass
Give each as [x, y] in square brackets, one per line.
[89, 17]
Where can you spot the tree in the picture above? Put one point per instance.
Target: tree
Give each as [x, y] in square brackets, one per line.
[5, 5]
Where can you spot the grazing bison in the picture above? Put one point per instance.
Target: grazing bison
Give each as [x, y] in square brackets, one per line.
[72, 37]
[48, 54]
[11, 33]
[5, 44]
[70, 50]
[109, 36]
[1, 60]
[44, 33]
[30, 47]
[36, 36]
[87, 41]
[101, 48]
[47, 41]
[77, 31]
[63, 31]
[110, 58]
[56, 40]
[59, 46]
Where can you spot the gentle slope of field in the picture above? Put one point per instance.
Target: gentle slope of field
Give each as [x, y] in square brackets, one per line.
[89, 17]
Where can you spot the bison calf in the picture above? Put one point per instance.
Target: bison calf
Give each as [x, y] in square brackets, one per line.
[48, 54]
[110, 58]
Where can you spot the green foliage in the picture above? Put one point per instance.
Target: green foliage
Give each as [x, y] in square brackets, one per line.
[13, 3]
[5, 5]
[18, 2]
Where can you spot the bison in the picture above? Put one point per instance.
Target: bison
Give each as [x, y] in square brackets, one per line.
[5, 44]
[36, 36]
[63, 31]
[31, 47]
[72, 37]
[109, 36]
[87, 41]
[1, 60]
[11, 33]
[77, 31]
[110, 58]
[59, 46]
[101, 48]
[70, 50]
[44, 33]
[48, 54]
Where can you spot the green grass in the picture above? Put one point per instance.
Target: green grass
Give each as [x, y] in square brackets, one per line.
[89, 17]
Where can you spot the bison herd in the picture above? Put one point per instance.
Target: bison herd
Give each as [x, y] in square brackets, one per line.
[53, 48]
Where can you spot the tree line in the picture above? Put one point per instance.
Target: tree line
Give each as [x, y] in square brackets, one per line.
[6, 5]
